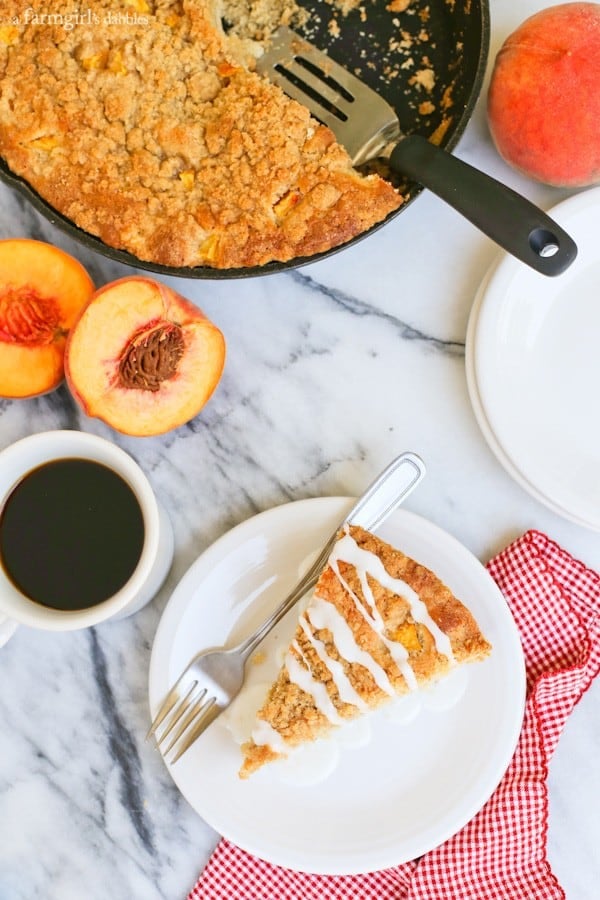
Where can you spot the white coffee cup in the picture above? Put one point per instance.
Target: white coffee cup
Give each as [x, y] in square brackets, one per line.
[154, 563]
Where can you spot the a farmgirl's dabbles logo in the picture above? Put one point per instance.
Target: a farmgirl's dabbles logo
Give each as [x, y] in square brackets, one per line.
[70, 19]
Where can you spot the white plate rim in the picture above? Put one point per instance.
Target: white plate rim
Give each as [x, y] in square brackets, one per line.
[482, 420]
[501, 269]
[375, 860]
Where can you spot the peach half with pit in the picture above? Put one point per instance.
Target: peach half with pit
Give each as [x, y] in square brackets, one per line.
[544, 97]
[142, 358]
[42, 291]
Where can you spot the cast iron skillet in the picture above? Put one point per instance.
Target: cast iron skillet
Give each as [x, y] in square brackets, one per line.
[452, 39]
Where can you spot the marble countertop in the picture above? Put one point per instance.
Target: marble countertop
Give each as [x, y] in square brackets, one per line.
[332, 370]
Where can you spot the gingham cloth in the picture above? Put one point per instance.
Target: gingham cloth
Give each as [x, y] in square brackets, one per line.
[501, 853]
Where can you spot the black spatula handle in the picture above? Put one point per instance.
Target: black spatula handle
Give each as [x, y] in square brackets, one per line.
[517, 225]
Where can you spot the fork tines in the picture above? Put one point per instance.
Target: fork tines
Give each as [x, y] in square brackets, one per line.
[182, 720]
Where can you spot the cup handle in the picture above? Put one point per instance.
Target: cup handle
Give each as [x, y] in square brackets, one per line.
[7, 629]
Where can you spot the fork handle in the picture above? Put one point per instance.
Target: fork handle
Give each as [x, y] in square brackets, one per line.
[517, 225]
[381, 498]
[305, 584]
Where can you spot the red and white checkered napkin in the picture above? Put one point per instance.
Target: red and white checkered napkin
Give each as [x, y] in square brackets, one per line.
[501, 853]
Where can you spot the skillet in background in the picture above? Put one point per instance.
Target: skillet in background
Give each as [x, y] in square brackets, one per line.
[428, 63]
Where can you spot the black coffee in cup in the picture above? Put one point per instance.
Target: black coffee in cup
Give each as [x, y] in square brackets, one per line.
[71, 534]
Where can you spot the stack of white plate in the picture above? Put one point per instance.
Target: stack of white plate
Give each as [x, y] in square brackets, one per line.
[533, 369]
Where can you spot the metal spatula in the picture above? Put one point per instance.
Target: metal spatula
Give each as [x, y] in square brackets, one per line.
[367, 126]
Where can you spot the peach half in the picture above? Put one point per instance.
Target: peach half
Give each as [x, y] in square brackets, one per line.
[42, 291]
[142, 358]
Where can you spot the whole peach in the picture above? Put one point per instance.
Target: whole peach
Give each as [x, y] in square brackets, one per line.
[544, 96]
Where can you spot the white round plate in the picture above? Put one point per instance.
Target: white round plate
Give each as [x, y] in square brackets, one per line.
[480, 415]
[412, 787]
[534, 359]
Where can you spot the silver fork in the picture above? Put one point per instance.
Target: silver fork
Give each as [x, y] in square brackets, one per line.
[367, 126]
[214, 677]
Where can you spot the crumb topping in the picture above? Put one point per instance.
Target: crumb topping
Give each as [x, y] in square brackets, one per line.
[146, 126]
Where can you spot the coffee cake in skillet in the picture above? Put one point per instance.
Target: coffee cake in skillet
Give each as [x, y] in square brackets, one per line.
[143, 122]
[378, 626]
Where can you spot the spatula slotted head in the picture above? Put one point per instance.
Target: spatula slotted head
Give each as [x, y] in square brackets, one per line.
[362, 121]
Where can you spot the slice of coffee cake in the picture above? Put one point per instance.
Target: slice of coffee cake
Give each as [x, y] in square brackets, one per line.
[379, 625]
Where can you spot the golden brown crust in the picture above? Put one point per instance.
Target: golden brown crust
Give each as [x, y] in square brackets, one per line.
[292, 712]
[158, 139]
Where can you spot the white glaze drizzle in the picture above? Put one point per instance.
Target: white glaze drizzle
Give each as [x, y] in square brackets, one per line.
[325, 615]
[343, 684]
[347, 550]
[300, 674]
[371, 615]
[263, 733]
